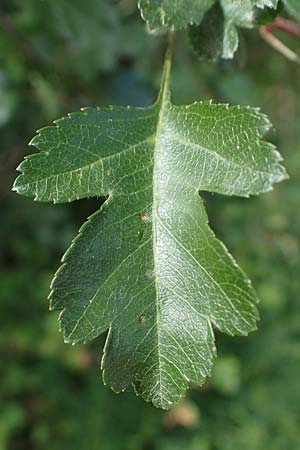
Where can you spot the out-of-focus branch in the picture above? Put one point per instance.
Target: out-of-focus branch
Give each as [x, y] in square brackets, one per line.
[288, 27]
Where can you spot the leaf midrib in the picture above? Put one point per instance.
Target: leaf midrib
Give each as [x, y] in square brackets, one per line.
[163, 100]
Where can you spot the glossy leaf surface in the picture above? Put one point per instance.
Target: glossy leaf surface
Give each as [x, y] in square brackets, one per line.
[217, 35]
[146, 266]
[181, 13]
[170, 13]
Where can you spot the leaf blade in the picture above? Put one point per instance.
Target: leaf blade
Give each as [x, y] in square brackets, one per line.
[146, 266]
[179, 14]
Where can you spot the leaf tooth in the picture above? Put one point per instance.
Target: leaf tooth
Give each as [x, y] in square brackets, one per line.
[86, 109]
[276, 153]
[38, 135]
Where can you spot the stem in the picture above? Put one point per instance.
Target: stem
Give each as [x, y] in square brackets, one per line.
[164, 93]
[278, 45]
[287, 27]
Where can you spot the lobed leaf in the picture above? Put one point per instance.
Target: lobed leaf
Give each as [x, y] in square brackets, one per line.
[213, 24]
[217, 35]
[181, 13]
[146, 266]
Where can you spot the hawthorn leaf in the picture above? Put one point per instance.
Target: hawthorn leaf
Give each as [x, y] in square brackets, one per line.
[146, 266]
[217, 35]
[181, 13]
[173, 13]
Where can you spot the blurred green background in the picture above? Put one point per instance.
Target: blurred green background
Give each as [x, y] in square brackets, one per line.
[57, 56]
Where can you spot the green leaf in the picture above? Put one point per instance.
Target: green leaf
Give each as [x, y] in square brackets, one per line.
[170, 13]
[146, 266]
[293, 8]
[213, 25]
[180, 14]
[217, 35]
[208, 39]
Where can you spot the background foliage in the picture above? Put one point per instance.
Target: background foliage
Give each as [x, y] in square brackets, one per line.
[56, 56]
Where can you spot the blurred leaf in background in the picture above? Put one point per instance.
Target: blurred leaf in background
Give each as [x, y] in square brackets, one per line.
[55, 57]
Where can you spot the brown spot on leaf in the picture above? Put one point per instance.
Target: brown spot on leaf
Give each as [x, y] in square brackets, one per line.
[144, 218]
